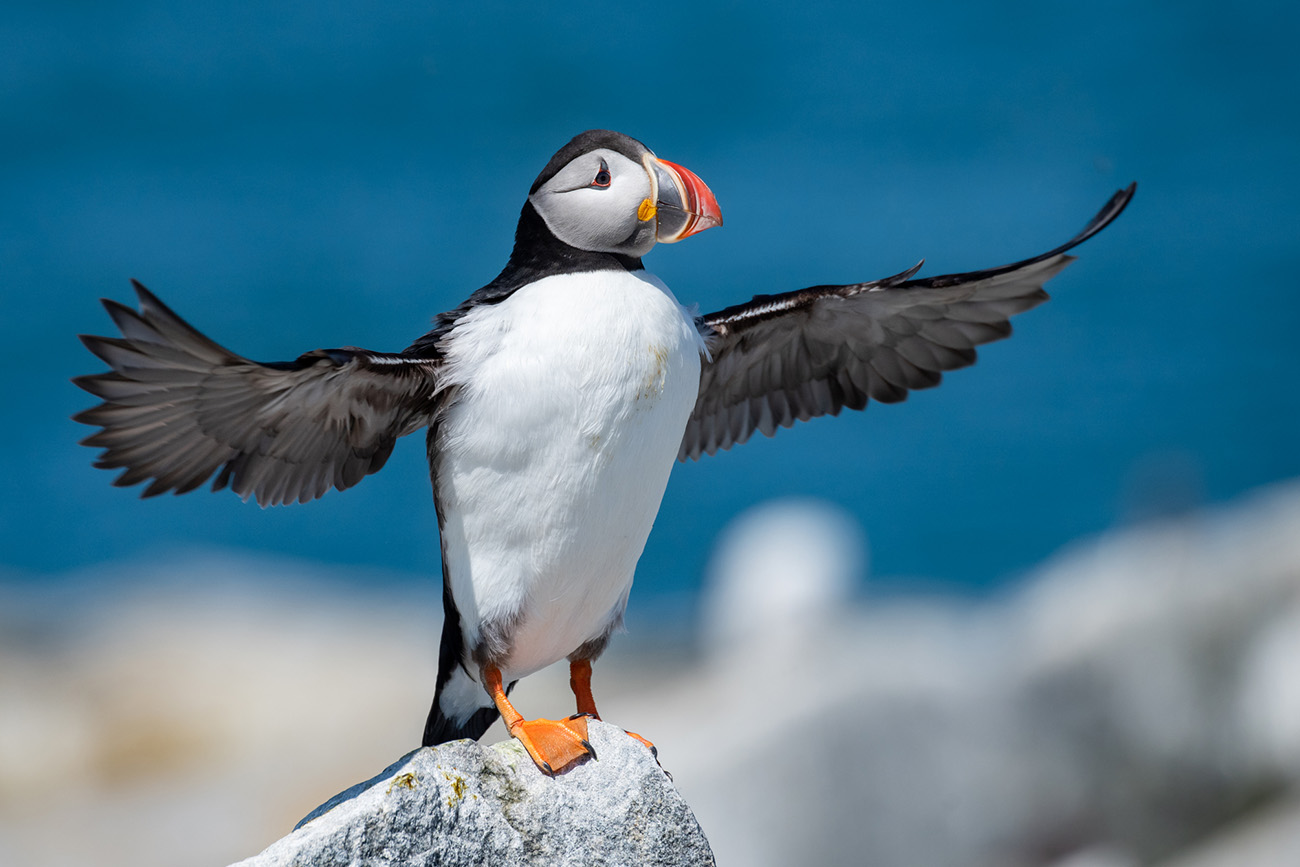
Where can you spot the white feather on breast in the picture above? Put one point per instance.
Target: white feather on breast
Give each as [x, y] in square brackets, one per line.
[573, 394]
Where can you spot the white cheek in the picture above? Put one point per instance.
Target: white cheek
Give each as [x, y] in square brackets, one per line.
[591, 218]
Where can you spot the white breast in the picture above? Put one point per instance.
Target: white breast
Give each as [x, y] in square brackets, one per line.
[573, 396]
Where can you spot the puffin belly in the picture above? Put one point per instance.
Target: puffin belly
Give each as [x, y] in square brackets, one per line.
[573, 397]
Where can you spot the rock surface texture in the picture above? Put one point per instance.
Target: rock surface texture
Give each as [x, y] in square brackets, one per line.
[463, 803]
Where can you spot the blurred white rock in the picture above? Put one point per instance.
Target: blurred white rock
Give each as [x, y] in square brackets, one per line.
[780, 570]
[1269, 699]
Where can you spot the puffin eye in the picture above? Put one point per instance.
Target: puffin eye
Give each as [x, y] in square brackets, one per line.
[602, 176]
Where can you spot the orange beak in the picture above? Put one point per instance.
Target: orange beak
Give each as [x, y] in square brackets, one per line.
[685, 205]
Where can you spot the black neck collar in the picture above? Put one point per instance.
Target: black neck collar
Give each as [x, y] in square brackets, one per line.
[538, 253]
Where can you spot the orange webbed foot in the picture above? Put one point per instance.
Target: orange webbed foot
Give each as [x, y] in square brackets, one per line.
[654, 751]
[554, 744]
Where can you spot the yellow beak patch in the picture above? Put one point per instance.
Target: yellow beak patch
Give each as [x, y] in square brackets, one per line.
[646, 211]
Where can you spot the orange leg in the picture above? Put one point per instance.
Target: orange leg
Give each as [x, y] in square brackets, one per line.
[553, 744]
[580, 683]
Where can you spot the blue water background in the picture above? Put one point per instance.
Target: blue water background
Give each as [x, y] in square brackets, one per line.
[292, 176]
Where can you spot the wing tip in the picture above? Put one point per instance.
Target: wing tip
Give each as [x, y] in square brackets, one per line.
[1109, 211]
[897, 279]
[141, 291]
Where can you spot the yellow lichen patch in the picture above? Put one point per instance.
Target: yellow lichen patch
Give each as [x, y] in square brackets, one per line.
[457, 789]
[406, 781]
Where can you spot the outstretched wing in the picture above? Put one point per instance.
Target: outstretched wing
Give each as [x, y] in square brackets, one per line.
[813, 352]
[178, 408]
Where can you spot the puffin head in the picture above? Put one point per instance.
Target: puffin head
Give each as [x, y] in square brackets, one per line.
[606, 192]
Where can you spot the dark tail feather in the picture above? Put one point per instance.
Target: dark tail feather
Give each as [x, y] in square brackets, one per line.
[439, 729]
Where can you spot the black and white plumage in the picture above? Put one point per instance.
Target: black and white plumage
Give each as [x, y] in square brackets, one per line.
[556, 399]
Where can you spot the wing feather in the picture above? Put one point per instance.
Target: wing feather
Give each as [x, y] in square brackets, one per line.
[178, 409]
[815, 351]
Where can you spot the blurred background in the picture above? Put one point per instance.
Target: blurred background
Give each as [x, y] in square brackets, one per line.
[1048, 613]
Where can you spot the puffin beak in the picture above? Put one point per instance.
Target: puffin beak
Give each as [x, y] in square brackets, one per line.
[684, 205]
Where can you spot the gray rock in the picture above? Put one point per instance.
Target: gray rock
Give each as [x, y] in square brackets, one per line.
[463, 803]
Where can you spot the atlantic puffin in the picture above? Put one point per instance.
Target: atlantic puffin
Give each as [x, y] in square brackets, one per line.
[556, 399]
